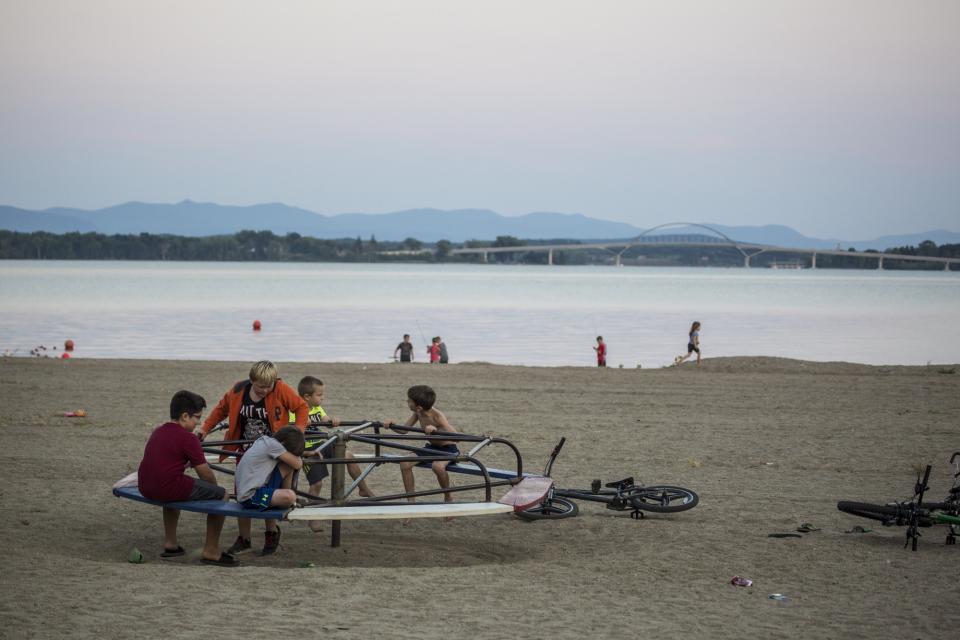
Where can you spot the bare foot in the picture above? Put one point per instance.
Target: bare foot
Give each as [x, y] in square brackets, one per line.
[316, 525]
[406, 522]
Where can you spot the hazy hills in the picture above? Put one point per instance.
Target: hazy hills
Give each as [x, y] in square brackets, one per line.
[204, 219]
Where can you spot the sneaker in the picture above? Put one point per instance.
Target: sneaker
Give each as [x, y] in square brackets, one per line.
[239, 546]
[271, 541]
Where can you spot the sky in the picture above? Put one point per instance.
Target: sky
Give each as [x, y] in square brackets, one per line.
[839, 118]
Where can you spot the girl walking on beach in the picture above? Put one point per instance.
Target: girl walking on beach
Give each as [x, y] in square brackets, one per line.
[693, 344]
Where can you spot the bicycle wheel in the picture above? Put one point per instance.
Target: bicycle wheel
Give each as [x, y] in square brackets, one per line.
[551, 509]
[888, 514]
[663, 498]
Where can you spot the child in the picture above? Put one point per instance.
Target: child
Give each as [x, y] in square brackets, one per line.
[601, 350]
[260, 405]
[171, 447]
[311, 390]
[265, 477]
[434, 350]
[405, 349]
[444, 357]
[420, 400]
[693, 344]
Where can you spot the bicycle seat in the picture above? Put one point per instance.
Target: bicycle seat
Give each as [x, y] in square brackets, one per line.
[620, 484]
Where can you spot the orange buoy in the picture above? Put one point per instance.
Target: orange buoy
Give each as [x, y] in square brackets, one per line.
[68, 345]
[256, 325]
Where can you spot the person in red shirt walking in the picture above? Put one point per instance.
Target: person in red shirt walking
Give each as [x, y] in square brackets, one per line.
[601, 350]
[171, 447]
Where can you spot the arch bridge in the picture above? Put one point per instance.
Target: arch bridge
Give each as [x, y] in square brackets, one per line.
[747, 250]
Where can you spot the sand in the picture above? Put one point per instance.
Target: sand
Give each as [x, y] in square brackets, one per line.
[767, 443]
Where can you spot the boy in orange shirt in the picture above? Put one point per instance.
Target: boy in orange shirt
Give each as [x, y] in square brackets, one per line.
[254, 407]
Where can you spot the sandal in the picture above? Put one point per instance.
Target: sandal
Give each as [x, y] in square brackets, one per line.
[225, 560]
[858, 529]
[806, 527]
[172, 553]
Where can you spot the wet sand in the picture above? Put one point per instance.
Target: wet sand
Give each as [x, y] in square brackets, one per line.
[767, 443]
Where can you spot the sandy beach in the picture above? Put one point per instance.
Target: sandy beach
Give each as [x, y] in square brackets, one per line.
[767, 443]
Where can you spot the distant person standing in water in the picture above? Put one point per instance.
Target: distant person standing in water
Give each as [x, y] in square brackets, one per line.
[601, 350]
[693, 344]
[405, 349]
[444, 358]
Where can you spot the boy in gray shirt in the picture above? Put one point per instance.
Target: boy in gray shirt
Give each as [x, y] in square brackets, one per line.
[264, 477]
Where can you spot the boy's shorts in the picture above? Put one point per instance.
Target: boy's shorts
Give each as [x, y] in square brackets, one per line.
[438, 449]
[317, 471]
[203, 490]
[261, 497]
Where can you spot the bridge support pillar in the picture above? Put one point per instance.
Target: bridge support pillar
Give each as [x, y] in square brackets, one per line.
[550, 257]
[880, 263]
[813, 261]
[483, 257]
[616, 261]
[746, 261]
[946, 266]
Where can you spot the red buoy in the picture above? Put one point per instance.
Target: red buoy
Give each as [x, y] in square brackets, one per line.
[64, 355]
[256, 325]
[68, 345]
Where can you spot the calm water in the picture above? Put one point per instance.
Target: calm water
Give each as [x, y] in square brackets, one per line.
[503, 314]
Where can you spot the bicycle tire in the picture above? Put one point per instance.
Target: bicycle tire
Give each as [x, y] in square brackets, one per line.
[888, 514]
[663, 498]
[551, 509]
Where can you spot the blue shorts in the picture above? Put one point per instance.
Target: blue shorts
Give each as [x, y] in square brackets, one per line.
[261, 497]
[438, 449]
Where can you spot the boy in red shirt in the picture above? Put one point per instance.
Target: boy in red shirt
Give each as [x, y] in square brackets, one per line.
[601, 350]
[171, 447]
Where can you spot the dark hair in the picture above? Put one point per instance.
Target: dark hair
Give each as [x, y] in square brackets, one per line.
[291, 438]
[406, 335]
[422, 396]
[599, 338]
[308, 384]
[186, 402]
[694, 327]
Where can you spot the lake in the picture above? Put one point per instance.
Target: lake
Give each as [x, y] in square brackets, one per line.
[516, 314]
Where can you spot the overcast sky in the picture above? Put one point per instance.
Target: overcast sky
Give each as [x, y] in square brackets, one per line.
[840, 118]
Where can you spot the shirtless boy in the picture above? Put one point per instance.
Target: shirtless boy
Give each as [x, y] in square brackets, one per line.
[420, 400]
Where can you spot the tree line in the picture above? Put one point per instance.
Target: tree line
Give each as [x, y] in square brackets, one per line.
[265, 246]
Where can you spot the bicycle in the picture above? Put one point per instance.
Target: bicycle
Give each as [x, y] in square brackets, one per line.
[916, 513]
[621, 495]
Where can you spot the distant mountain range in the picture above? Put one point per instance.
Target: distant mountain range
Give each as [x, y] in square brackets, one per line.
[189, 218]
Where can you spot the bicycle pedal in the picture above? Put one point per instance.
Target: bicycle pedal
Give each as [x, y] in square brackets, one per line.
[616, 505]
[595, 486]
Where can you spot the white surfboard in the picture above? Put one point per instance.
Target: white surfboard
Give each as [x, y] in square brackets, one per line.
[394, 511]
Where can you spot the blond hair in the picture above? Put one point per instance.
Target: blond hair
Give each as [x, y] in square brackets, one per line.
[263, 372]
